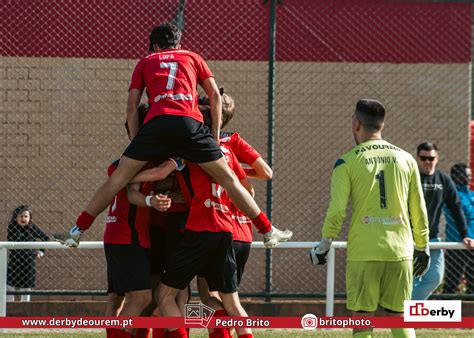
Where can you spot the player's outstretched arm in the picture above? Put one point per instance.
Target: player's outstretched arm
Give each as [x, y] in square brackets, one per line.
[417, 208]
[340, 192]
[134, 96]
[260, 170]
[160, 202]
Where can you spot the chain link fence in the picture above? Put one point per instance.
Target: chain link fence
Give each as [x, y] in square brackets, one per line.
[65, 68]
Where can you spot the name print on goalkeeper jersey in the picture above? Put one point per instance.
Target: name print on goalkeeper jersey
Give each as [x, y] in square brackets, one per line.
[383, 182]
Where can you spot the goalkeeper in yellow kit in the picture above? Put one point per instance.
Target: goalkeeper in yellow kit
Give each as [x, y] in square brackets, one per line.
[383, 184]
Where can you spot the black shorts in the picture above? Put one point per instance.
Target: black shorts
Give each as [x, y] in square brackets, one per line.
[242, 252]
[164, 239]
[208, 252]
[128, 268]
[172, 135]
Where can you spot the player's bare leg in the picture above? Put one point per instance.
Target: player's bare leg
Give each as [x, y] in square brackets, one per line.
[183, 297]
[233, 307]
[220, 171]
[166, 299]
[362, 333]
[126, 170]
[212, 299]
[114, 305]
[135, 303]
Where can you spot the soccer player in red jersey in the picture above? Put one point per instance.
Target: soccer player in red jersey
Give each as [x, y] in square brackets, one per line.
[242, 225]
[127, 244]
[173, 127]
[166, 231]
[206, 246]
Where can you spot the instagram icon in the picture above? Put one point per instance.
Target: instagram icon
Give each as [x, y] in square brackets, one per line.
[309, 322]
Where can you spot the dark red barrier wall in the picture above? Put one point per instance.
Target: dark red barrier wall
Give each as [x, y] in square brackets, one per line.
[307, 30]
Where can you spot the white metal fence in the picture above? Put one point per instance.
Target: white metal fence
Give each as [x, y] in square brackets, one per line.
[331, 264]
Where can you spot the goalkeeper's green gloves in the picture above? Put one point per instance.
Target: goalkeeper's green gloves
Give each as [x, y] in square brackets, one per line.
[421, 261]
[319, 252]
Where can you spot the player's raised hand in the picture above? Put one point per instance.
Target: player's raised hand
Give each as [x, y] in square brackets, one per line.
[319, 252]
[421, 262]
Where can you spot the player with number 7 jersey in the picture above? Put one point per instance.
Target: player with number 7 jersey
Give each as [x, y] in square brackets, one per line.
[171, 78]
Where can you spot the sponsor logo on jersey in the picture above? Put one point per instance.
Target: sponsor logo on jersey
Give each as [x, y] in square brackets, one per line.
[383, 220]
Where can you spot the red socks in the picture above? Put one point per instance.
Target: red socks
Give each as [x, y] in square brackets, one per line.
[179, 333]
[262, 223]
[85, 220]
[108, 332]
[220, 333]
[160, 333]
[246, 335]
[142, 333]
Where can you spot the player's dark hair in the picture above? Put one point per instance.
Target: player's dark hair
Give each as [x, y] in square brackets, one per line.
[18, 210]
[458, 173]
[142, 109]
[228, 106]
[426, 146]
[371, 113]
[165, 36]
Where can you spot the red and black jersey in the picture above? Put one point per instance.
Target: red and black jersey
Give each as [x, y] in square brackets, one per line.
[127, 223]
[210, 204]
[244, 152]
[171, 78]
[242, 225]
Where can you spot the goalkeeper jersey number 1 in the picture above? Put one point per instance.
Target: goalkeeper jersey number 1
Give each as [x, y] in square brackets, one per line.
[383, 184]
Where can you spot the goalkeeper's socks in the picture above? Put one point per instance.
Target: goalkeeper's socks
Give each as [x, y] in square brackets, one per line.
[262, 223]
[142, 333]
[160, 333]
[363, 334]
[85, 220]
[403, 333]
[179, 333]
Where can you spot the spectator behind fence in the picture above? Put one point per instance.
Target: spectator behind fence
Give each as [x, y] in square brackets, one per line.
[439, 190]
[459, 262]
[21, 273]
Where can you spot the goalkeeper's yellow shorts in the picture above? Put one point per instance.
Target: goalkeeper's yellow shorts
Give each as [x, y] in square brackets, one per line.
[370, 284]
